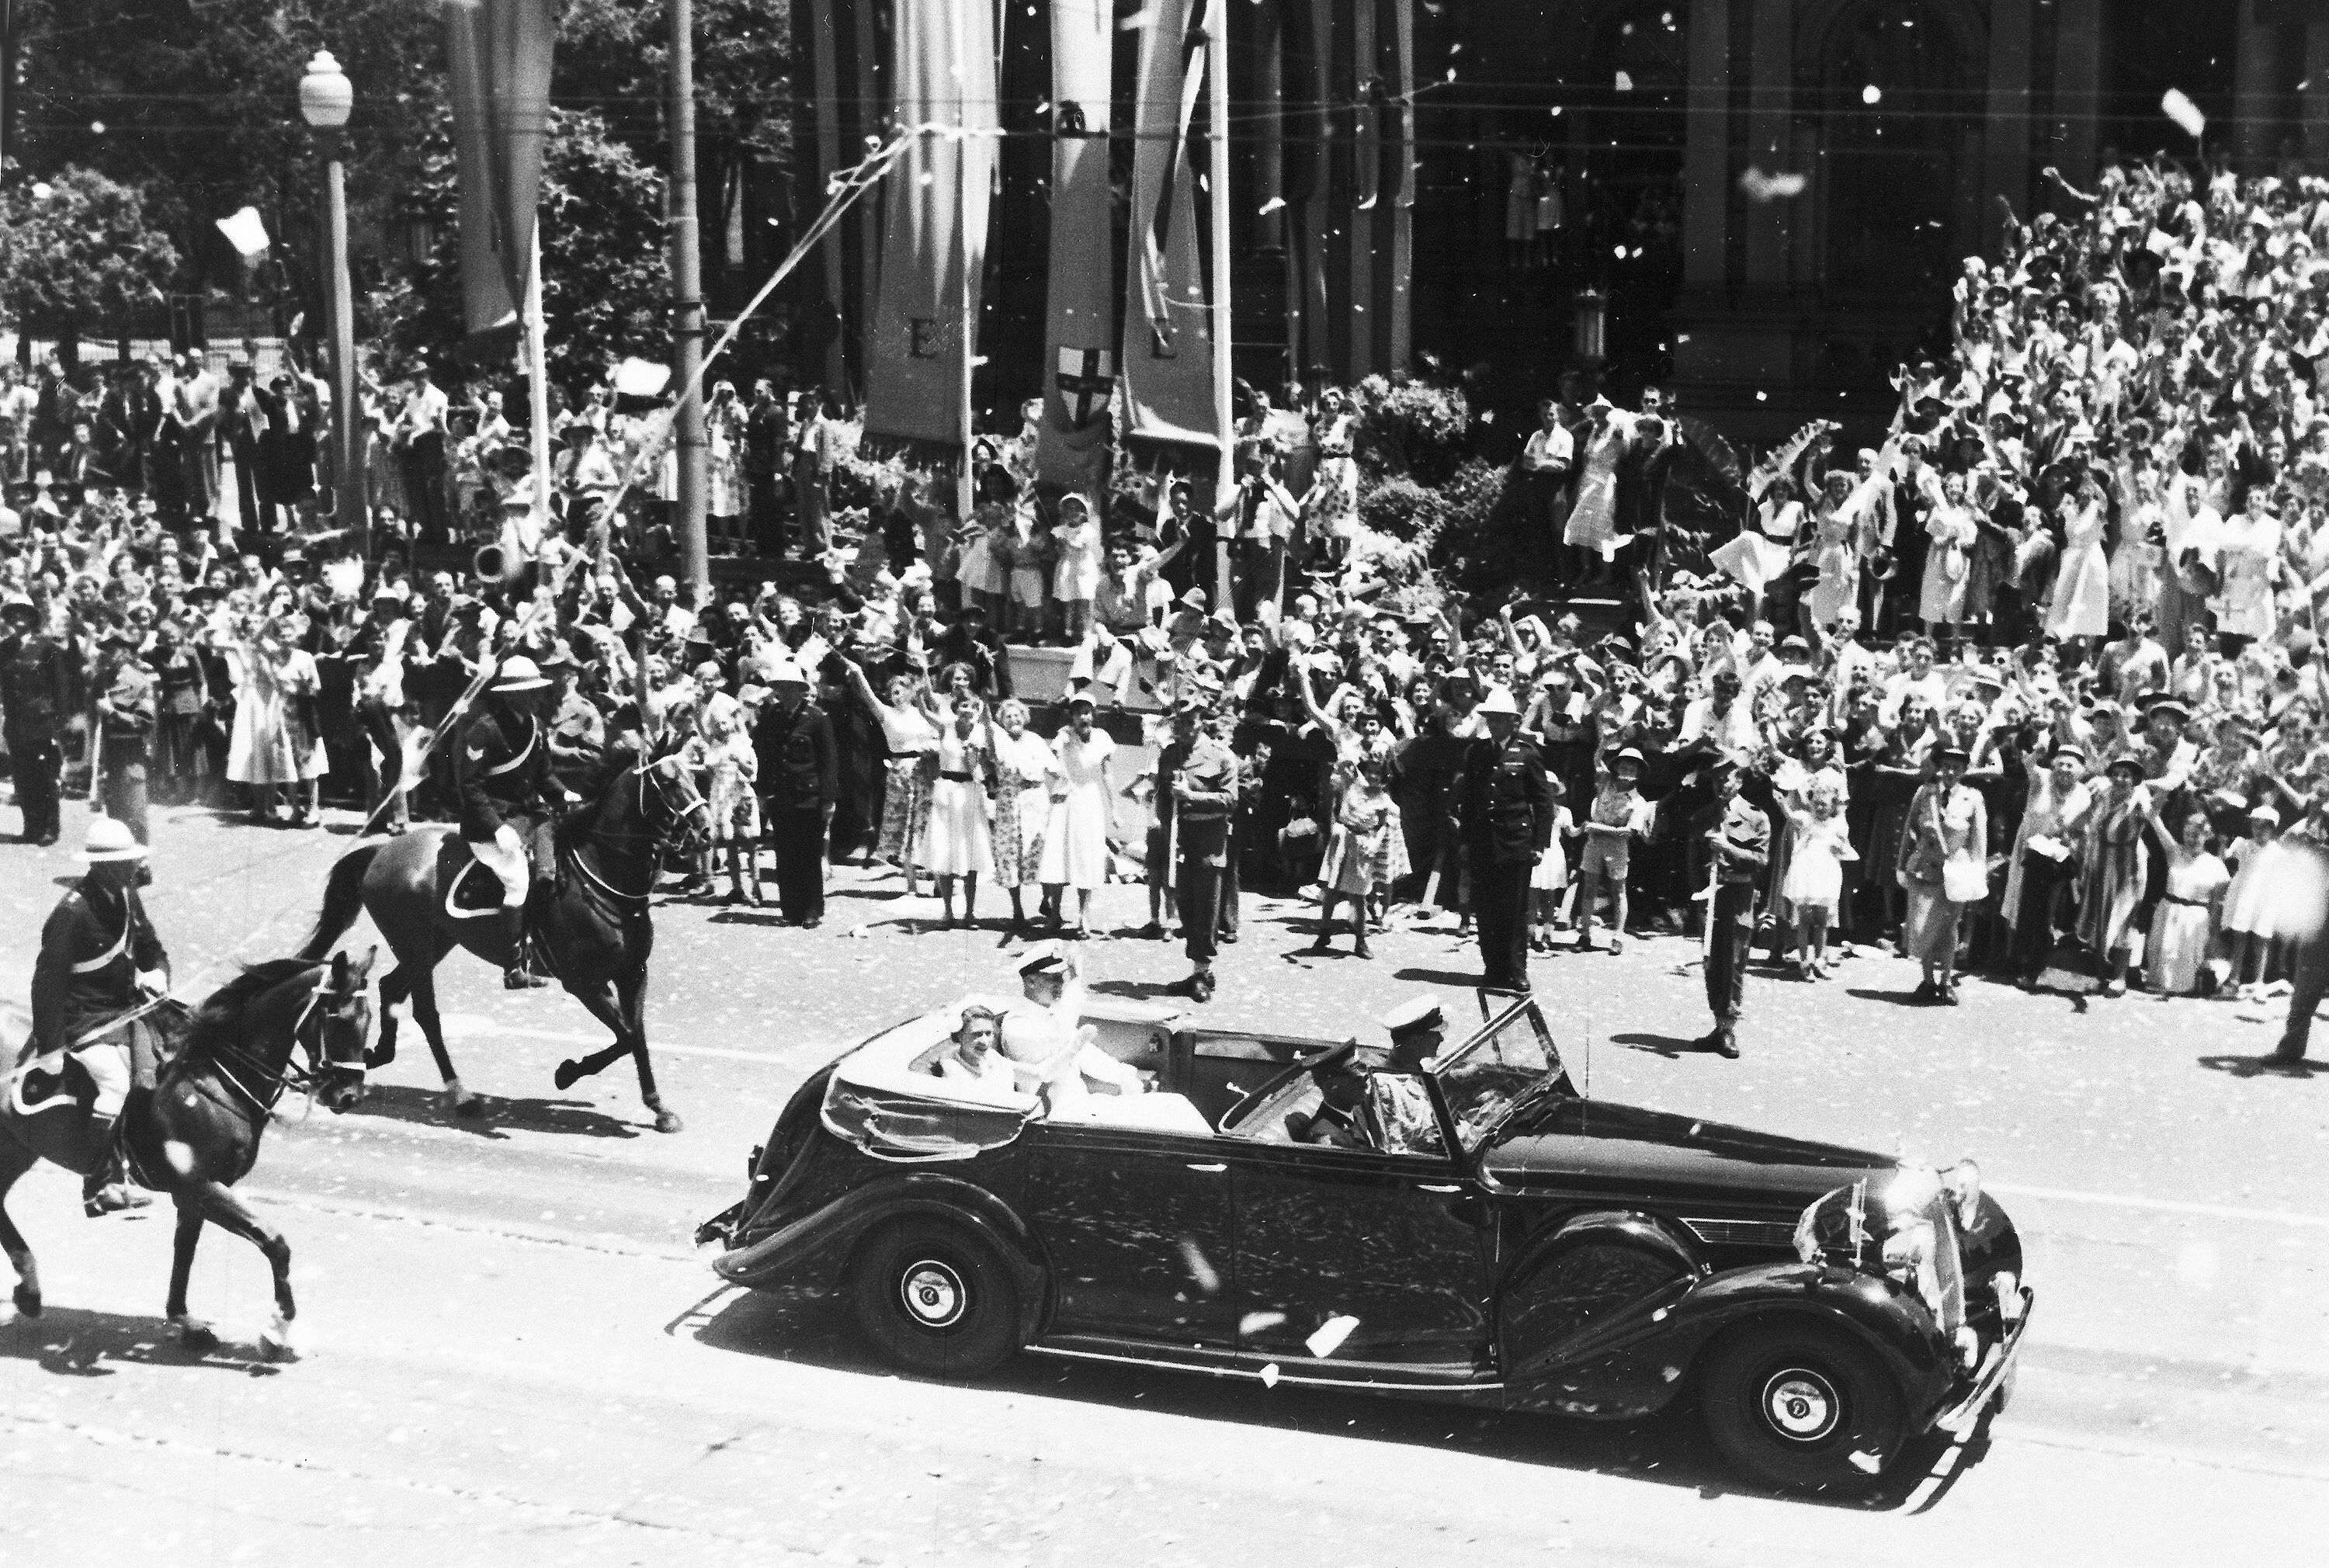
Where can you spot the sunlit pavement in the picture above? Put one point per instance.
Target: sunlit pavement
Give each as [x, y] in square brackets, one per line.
[509, 1350]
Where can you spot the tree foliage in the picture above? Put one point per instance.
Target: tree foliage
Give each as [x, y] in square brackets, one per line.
[78, 250]
[603, 256]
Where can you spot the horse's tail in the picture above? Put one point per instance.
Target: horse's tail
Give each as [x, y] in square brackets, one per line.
[343, 902]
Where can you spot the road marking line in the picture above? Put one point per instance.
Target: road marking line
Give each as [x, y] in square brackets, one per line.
[2161, 1205]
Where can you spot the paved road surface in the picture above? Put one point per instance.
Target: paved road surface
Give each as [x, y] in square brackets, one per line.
[511, 1353]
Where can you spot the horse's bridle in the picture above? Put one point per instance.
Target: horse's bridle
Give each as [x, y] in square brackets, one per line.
[330, 1029]
[670, 822]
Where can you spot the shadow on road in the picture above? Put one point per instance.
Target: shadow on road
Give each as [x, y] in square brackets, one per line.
[1440, 977]
[1671, 1048]
[2268, 1066]
[402, 1102]
[72, 1343]
[1671, 1449]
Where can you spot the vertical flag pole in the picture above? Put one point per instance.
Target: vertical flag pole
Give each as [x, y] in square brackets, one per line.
[1217, 71]
[687, 302]
[537, 360]
[962, 68]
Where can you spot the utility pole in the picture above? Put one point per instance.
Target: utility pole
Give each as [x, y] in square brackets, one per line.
[7, 82]
[1217, 125]
[687, 300]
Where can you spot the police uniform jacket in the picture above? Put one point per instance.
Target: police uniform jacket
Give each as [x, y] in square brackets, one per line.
[91, 950]
[502, 764]
[35, 688]
[1504, 801]
[800, 767]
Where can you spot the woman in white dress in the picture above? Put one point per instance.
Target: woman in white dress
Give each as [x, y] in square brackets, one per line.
[2184, 926]
[1083, 810]
[1332, 502]
[2082, 584]
[1948, 560]
[1023, 765]
[2250, 560]
[261, 753]
[958, 845]
[1593, 520]
[1838, 588]
[727, 499]
[1074, 579]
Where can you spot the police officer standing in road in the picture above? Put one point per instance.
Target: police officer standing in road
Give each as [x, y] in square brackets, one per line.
[126, 714]
[800, 778]
[1204, 799]
[1503, 807]
[35, 700]
[1740, 838]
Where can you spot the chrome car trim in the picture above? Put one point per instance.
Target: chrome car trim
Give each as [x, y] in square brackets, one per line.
[1741, 1232]
[1959, 1418]
[1255, 1374]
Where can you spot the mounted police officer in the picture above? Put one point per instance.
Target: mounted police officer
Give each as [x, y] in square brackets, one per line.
[100, 961]
[502, 761]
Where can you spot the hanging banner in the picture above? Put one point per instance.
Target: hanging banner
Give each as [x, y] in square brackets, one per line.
[1079, 338]
[498, 58]
[1168, 352]
[934, 244]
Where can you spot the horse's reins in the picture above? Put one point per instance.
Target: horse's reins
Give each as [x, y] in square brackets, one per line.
[656, 838]
[291, 1076]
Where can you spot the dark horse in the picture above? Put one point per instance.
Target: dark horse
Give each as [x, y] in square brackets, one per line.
[196, 1132]
[594, 932]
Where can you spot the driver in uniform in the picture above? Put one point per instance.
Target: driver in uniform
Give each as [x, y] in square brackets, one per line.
[1385, 1106]
[503, 763]
[100, 959]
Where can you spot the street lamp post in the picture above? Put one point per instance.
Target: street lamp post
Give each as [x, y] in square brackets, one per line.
[326, 98]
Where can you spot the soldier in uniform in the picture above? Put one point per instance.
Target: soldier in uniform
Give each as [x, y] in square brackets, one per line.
[100, 959]
[35, 700]
[1205, 791]
[1503, 806]
[126, 715]
[502, 762]
[1740, 840]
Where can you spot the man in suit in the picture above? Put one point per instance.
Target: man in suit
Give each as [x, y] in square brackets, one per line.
[767, 430]
[197, 393]
[1503, 808]
[800, 786]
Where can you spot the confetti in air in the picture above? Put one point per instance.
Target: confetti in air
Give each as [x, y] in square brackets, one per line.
[1625, 82]
[1328, 1337]
[2177, 106]
[1762, 187]
[1273, 204]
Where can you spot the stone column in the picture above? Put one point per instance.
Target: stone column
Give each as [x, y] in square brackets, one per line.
[2078, 49]
[2256, 83]
[1771, 92]
[2007, 127]
[2316, 96]
[1706, 155]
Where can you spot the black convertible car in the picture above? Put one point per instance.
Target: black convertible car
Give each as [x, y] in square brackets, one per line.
[1533, 1250]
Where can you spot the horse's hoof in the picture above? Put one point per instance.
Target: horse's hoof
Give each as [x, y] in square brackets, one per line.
[275, 1341]
[569, 1072]
[196, 1336]
[28, 1301]
[375, 1060]
[667, 1122]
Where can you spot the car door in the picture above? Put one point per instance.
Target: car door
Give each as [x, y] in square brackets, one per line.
[1400, 1243]
[1139, 1231]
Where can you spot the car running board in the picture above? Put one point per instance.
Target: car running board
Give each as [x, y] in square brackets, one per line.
[1448, 1378]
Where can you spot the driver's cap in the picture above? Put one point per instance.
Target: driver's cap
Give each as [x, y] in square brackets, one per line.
[1044, 959]
[1418, 1012]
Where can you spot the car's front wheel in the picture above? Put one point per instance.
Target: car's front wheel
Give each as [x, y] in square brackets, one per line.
[1801, 1408]
[935, 1299]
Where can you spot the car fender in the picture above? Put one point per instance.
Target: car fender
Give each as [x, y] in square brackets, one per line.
[1578, 1284]
[1637, 1360]
[817, 1248]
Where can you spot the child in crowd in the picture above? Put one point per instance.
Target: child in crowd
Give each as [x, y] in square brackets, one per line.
[1615, 819]
[1816, 875]
[1549, 881]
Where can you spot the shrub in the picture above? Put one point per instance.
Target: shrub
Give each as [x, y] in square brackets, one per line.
[1412, 429]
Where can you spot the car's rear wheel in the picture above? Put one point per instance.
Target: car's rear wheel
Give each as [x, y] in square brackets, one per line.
[935, 1299]
[1801, 1408]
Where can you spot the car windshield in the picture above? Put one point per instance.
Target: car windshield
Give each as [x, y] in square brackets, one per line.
[1485, 1078]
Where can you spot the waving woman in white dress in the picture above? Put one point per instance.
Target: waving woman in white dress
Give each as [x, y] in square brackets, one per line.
[1083, 809]
[959, 843]
[1593, 520]
[2082, 584]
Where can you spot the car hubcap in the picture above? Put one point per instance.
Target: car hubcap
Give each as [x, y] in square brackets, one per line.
[932, 1293]
[1801, 1405]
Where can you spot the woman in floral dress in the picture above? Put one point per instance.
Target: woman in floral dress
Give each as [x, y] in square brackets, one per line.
[1024, 766]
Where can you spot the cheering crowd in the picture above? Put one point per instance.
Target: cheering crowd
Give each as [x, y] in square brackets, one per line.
[2028, 687]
